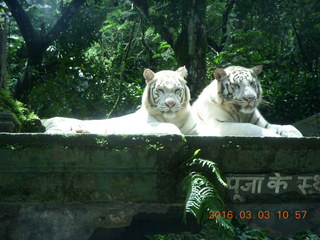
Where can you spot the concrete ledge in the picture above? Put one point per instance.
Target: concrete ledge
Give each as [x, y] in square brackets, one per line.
[40, 172]
[88, 168]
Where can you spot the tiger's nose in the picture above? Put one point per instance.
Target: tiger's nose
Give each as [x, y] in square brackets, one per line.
[170, 103]
[248, 99]
[249, 94]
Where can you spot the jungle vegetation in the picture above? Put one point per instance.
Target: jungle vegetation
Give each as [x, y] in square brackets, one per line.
[85, 58]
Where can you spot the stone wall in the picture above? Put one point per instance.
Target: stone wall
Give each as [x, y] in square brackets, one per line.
[85, 186]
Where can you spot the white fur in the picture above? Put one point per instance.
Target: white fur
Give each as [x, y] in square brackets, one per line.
[168, 116]
[218, 117]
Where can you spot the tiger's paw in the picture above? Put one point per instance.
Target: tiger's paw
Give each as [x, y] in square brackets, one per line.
[81, 131]
[285, 130]
[269, 133]
[290, 131]
[165, 128]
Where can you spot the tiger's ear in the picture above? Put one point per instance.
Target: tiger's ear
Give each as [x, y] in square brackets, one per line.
[219, 73]
[182, 71]
[148, 75]
[257, 69]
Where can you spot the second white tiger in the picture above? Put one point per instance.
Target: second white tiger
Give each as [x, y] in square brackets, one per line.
[228, 106]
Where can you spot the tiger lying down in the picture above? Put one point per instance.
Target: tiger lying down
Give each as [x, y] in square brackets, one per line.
[228, 106]
[165, 109]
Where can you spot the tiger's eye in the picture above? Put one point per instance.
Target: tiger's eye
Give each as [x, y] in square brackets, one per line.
[160, 90]
[234, 87]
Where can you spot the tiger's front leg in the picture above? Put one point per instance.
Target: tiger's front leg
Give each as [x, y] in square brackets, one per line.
[285, 130]
[236, 129]
[282, 130]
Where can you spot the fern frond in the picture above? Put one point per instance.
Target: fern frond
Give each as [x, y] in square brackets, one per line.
[195, 153]
[201, 196]
[193, 185]
[187, 162]
[211, 165]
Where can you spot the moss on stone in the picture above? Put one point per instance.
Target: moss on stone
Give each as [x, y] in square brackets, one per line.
[24, 120]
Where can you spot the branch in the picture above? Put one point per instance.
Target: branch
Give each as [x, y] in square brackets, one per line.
[30, 36]
[143, 9]
[63, 21]
[3, 52]
[213, 44]
[143, 30]
[122, 69]
[142, 6]
[225, 17]
[27, 31]
[36, 43]
[305, 56]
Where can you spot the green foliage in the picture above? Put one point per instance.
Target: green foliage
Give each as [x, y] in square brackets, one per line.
[95, 69]
[246, 233]
[271, 34]
[24, 119]
[208, 232]
[202, 195]
[210, 165]
[242, 233]
[306, 235]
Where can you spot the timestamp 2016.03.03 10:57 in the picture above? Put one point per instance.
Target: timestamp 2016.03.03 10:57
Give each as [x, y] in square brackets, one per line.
[262, 214]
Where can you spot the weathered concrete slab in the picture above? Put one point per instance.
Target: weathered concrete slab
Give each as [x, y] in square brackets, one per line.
[75, 221]
[87, 168]
[84, 173]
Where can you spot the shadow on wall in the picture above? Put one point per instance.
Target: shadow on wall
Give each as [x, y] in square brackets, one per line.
[148, 224]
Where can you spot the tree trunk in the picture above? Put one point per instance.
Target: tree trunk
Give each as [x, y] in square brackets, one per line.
[3, 53]
[191, 46]
[37, 43]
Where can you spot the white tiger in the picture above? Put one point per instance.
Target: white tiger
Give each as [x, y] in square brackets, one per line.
[165, 109]
[228, 106]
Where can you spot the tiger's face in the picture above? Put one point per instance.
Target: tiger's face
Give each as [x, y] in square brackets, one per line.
[239, 88]
[166, 92]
